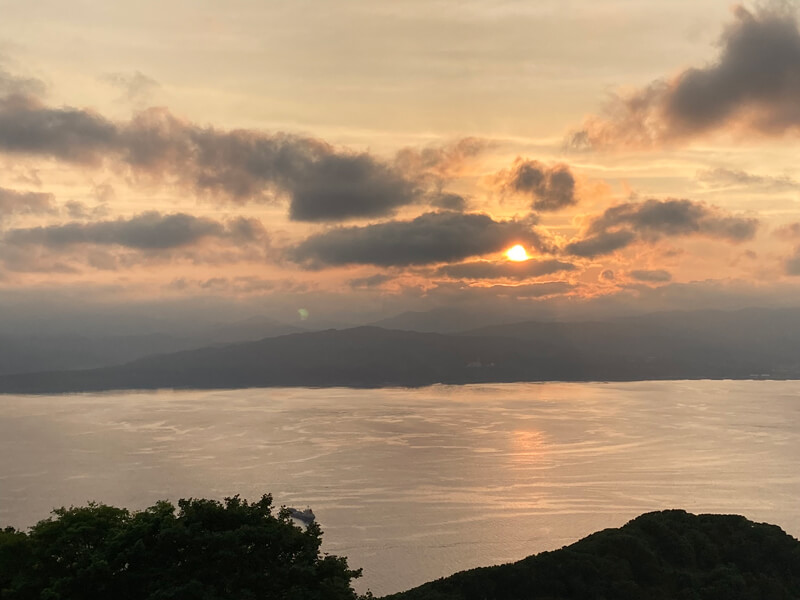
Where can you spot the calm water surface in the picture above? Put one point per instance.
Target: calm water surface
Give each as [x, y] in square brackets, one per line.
[416, 484]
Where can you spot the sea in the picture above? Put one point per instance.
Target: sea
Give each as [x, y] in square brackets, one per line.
[415, 484]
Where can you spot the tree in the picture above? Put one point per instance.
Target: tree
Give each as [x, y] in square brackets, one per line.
[204, 549]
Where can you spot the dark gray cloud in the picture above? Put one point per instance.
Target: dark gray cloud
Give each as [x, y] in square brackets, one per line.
[759, 67]
[651, 276]
[622, 225]
[340, 186]
[448, 201]
[551, 188]
[25, 203]
[27, 126]
[504, 269]
[430, 238]
[598, 244]
[147, 231]
[655, 218]
[321, 182]
[737, 177]
[753, 84]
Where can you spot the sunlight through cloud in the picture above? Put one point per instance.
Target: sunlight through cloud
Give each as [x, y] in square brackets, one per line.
[517, 253]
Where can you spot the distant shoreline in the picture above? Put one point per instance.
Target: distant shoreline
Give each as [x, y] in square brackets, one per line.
[4, 392]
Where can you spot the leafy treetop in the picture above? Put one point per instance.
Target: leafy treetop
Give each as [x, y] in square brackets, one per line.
[204, 550]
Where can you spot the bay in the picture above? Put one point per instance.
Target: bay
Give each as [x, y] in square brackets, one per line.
[415, 484]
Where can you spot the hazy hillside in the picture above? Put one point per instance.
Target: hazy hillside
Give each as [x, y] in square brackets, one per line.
[443, 320]
[714, 345]
[363, 356]
[670, 555]
[751, 342]
[27, 353]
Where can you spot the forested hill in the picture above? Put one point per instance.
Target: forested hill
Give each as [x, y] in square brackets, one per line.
[670, 555]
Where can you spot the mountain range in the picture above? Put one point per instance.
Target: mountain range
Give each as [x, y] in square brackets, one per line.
[30, 352]
[754, 343]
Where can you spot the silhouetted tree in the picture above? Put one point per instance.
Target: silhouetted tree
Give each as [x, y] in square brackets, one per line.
[668, 555]
[204, 550]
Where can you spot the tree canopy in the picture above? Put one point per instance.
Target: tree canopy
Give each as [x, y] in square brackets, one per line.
[235, 550]
[201, 550]
[668, 555]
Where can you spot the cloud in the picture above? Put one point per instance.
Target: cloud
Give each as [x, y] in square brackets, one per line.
[533, 290]
[11, 85]
[788, 232]
[136, 88]
[148, 238]
[433, 166]
[737, 177]
[322, 183]
[340, 186]
[76, 209]
[147, 231]
[243, 285]
[551, 188]
[25, 203]
[754, 85]
[651, 276]
[622, 225]
[27, 126]
[792, 264]
[654, 218]
[441, 162]
[431, 238]
[504, 269]
[601, 243]
[372, 281]
[448, 201]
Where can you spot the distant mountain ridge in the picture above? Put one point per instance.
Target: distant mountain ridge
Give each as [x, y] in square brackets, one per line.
[693, 345]
[33, 353]
[442, 320]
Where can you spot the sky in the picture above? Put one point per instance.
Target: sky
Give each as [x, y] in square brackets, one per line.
[342, 161]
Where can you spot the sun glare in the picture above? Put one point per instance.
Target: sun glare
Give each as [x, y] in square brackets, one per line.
[517, 253]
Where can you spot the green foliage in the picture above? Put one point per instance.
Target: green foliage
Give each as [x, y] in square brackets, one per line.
[208, 550]
[670, 555]
[204, 550]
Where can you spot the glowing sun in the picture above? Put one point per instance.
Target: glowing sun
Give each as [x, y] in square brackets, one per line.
[517, 253]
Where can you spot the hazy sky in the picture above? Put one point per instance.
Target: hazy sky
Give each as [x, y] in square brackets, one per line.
[357, 158]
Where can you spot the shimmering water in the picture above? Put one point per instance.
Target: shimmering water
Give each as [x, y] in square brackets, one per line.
[416, 484]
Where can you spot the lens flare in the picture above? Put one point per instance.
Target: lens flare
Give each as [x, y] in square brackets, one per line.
[517, 253]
